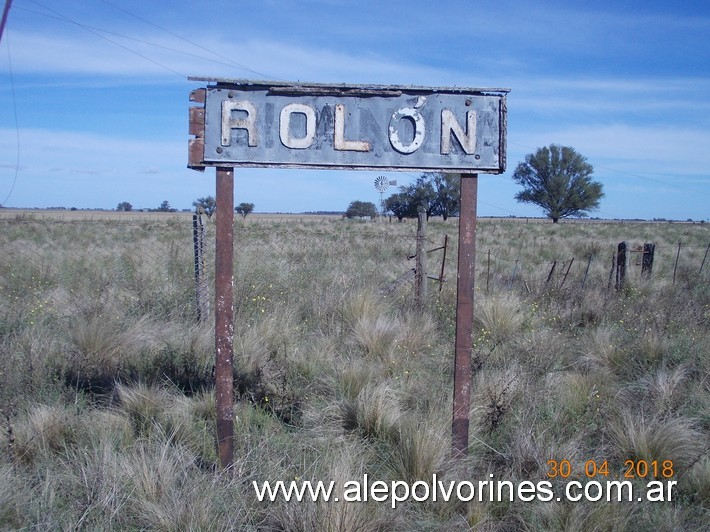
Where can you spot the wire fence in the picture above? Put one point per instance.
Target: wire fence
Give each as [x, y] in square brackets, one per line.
[598, 267]
[152, 266]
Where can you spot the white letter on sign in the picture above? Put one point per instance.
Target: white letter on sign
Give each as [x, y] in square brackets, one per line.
[285, 126]
[229, 123]
[339, 142]
[417, 120]
[449, 126]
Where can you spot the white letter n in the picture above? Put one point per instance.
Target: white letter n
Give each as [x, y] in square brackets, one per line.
[450, 126]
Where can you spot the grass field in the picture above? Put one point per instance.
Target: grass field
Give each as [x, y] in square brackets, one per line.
[106, 377]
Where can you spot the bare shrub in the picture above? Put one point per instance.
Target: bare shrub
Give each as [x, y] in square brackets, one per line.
[495, 391]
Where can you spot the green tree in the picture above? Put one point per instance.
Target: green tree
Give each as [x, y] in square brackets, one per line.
[165, 206]
[401, 205]
[422, 195]
[124, 206]
[447, 188]
[435, 193]
[244, 209]
[358, 209]
[559, 180]
[206, 205]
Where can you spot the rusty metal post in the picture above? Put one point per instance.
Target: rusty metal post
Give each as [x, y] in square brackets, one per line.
[552, 271]
[488, 271]
[569, 266]
[443, 263]
[223, 314]
[675, 268]
[464, 314]
[704, 259]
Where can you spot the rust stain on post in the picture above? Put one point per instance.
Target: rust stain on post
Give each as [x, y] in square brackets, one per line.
[224, 318]
[196, 145]
[464, 315]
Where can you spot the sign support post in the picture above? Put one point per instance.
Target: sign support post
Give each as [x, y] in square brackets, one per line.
[269, 124]
[224, 314]
[464, 314]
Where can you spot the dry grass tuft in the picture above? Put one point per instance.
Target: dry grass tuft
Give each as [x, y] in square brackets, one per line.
[604, 352]
[377, 337]
[162, 478]
[377, 412]
[500, 316]
[422, 448]
[144, 406]
[344, 466]
[365, 305]
[697, 482]
[14, 498]
[665, 388]
[658, 438]
[47, 430]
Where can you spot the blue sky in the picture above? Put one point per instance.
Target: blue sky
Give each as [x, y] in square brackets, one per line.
[94, 94]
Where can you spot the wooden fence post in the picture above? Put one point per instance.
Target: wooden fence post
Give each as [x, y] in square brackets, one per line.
[647, 260]
[201, 289]
[515, 271]
[620, 265]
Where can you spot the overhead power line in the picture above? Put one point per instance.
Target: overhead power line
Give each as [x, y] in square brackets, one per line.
[98, 34]
[5, 14]
[228, 59]
[17, 124]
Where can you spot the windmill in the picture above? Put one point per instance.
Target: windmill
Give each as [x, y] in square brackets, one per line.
[381, 185]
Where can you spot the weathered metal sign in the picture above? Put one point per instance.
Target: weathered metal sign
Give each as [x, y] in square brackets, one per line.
[274, 124]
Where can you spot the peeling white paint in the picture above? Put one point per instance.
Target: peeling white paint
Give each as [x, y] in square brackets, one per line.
[417, 120]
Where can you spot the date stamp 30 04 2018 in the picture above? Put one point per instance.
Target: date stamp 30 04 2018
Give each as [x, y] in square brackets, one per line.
[633, 469]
